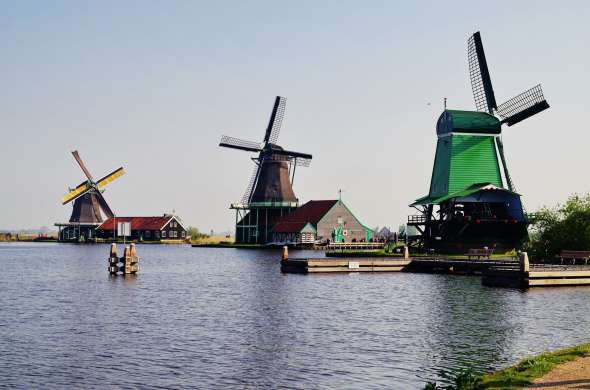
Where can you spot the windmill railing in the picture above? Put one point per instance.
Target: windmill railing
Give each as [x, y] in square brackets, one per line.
[274, 204]
[269, 204]
[417, 219]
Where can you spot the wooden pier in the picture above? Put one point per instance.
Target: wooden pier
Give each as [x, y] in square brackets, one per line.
[343, 265]
[536, 275]
[356, 264]
[507, 272]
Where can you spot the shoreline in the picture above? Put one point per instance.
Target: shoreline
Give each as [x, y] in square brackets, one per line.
[528, 372]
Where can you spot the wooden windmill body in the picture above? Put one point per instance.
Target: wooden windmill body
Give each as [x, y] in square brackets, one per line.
[269, 195]
[90, 208]
[472, 202]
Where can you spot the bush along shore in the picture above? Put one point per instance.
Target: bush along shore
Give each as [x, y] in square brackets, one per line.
[517, 376]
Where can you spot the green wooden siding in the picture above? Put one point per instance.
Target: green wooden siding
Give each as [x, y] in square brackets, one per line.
[439, 184]
[464, 160]
[473, 160]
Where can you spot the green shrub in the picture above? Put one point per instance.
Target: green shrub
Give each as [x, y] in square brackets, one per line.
[563, 227]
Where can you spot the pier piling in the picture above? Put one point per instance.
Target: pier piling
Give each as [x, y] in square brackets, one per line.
[128, 264]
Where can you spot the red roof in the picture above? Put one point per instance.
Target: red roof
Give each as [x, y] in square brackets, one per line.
[311, 212]
[288, 227]
[138, 223]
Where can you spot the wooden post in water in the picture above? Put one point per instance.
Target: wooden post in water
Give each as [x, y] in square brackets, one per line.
[128, 263]
[285, 253]
[524, 262]
[131, 260]
[113, 260]
[406, 252]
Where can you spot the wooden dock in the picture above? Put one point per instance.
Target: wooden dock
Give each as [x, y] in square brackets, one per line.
[369, 264]
[495, 273]
[538, 275]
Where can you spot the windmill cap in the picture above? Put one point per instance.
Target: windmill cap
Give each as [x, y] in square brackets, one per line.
[272, 147]
[474, 122]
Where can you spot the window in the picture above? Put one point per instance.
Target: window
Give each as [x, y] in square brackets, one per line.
[163, 233]
[157, 234]
[183, 234]
[148, 234]
[340, 221]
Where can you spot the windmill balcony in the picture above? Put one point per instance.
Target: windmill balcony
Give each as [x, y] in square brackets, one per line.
[416, 219]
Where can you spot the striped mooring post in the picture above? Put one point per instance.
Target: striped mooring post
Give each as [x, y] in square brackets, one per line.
[128, 264]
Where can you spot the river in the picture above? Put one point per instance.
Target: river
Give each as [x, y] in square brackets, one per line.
[227, 318]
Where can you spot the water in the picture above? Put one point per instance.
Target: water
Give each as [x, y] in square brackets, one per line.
[227, 318]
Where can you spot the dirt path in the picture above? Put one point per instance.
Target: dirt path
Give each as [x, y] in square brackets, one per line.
[570, 375]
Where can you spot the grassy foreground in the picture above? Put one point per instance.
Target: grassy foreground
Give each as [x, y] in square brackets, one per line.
[519, 375]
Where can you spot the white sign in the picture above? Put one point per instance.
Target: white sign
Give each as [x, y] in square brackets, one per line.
[353, 264]
[123, 229]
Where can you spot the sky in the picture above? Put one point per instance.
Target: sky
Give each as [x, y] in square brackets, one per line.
[153, 85]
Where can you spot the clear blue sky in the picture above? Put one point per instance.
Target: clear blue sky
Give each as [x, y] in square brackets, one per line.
[152, 86]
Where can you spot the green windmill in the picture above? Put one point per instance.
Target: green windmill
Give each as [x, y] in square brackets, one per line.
[472, 202]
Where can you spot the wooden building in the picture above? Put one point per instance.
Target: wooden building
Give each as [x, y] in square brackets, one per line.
[320, 221]
[166, 227]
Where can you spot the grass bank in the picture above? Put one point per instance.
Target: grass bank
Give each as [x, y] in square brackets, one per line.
[517, 376]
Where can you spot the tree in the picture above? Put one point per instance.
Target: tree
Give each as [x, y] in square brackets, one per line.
[195, 234]
[563, 227]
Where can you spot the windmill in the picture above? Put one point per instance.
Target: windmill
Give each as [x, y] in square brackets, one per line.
[472, 200]
[269, 194]
[90, 208]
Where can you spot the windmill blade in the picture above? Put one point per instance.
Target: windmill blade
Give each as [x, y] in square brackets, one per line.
[292, 154]
[76, 192]
[500, 145]
[276, 119]
[523, 106]
[104, 205]
[481, 84]
[236, 143]
[251, 184]
[117, 173]
[81, 164]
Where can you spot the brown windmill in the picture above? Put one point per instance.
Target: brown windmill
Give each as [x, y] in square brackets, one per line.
[90, 208]
[269, 194]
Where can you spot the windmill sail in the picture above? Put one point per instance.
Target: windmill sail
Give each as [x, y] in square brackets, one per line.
[251, 185]
[500, 145]
[481, 83]
[276, 119]
[76, 192]
[110, 177]
[523, 106]
[81, 164]
[237, 143]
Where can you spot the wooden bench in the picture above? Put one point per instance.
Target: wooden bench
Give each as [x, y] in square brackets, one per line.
[574, 255]
[486, 253]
